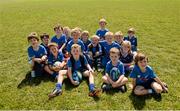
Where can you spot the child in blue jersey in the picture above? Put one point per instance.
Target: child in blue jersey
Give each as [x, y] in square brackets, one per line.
[114, 73]
[102, 30]
[118, 37]
[126, 56]
[107, 44]
[95, 52]
[56, 65]
[59, 38]
[37, 54]
[85, 39]
[45, 41]
[145, 81]
[78, 67]
[67, 32]
[75, 33]
[132, 38]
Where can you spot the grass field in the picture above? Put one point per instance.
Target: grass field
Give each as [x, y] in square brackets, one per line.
[157, 23]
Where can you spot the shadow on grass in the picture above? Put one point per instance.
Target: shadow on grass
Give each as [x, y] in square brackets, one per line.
[140, 101]
[29, 81]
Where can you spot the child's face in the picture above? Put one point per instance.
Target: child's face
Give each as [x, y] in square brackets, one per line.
[75, 52]
[118, 38]
[142, 64]
[130, 34]
[45, 40]
[53, 49]
[33, 42]
[95, 41]
[102, 24]
[114, 57]
[109, 39]
[66, 32]
[58, 31]
[75, 36]
[125, 48]
[85, 37]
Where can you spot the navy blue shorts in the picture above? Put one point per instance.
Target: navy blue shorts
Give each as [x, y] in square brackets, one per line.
[147, 85]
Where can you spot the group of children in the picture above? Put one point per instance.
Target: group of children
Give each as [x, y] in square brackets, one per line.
[71, 53]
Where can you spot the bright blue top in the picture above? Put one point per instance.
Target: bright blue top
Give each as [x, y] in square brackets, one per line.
[115, 72]
[86, 45]
[60, 41]
[52, 59]
[142, 77]
[36, 54]
[70, 43]
[101, 33]
[133, 41]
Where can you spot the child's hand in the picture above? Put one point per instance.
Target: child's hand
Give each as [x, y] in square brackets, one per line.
[92, 71]
[165, 89]
[44, 58]
[97, 53]
[114, 85]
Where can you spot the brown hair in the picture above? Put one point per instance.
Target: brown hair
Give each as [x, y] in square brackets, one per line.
[52, 44]
[131, 30]
[114, 51]
[33, 35]
[58, 26]
[44, 35]
[140, 57]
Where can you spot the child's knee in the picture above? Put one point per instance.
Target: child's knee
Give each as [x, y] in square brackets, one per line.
[157, 87]
[104, 78]
[138, 90]
[125, 79]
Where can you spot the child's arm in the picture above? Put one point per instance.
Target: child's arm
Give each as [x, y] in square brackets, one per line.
[133, 83]
[161, 83]
[120, 79]
[109, 79]
[62, 47]
[89, 68]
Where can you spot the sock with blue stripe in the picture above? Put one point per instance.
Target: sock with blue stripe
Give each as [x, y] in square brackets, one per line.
[91, 87]
[58, 86]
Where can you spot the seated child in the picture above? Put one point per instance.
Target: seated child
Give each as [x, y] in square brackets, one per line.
[59, 38]
[132, 38]
[78, 67]
[75, 33]
[107, 44]
[118, 37]
[56, 65]
[95, 52]
[55, 60]
[85, 39]
[114, 74]
[45, 41]
[102, 30]
[37, 55]
[67, 32]
[126, 56]
[145, 81]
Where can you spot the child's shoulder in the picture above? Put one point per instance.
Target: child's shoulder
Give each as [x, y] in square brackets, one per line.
[149, 68]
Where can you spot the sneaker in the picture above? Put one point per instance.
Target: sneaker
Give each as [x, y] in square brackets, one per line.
[123, 89]
[105, 87]
[95, 93]
[164, 90]
[54, 93]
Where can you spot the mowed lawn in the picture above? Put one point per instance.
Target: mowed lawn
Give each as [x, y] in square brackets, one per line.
[157, 25]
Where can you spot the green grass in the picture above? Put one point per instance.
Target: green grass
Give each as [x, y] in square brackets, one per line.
[157, 24]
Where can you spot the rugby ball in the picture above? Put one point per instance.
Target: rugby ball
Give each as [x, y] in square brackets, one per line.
[57, 63]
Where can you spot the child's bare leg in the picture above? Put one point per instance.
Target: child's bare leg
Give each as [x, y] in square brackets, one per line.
[122, 82]
[46, 68]
[140, 90]
[61, 75]
[105, 80]
[157, 87]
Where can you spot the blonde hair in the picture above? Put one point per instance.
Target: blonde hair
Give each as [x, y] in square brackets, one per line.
[131, 30]
[109, 34]
[76, 46]
[103, 20]
[128, 44]
[33, 35]
[114, 51]
[119, 33]
[95, 36]
[85, 32]
[75, 30]
[52, 44]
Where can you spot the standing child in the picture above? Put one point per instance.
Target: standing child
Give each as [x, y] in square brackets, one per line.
[126, 56]
[75, 33]
[78, 67]
[85, 39]
[45, 41]
[102, 30]
[114, 74]
[107, 44]
[145, 81]
[95, 52]
[56, 65]
[59, 37]
[37, 55]
[118, 37]
[132, 38]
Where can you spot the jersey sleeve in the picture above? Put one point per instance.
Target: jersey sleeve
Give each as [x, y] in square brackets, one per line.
[152, 73]
[61, 56]
[44, 50]
[69, 64]
[50, 60]
[30, 54]
[133, 72]
[85, 60]
[121, 69]
[107, 68]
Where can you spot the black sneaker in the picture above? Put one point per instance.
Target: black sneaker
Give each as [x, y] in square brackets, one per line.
[54, 93]
[123, 89]
[105, 87]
